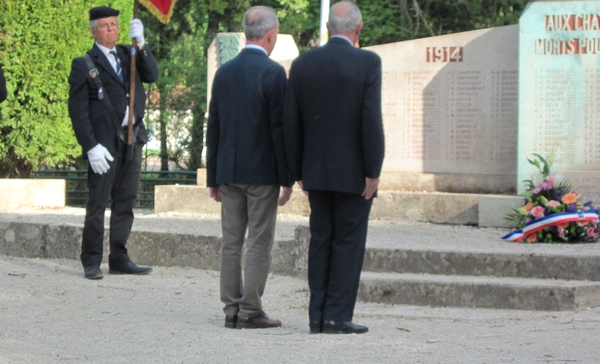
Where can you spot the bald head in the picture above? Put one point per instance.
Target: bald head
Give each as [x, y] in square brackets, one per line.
[344, 18]
[258, 20]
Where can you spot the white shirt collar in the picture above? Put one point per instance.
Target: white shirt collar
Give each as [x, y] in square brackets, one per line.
[105, 50]
[341, 36]
[254, 46]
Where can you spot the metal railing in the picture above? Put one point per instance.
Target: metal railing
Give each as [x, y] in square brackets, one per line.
[77, 192]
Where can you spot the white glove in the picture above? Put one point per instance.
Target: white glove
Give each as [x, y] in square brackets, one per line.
[98, 157]
[136, 30]
[126, 117]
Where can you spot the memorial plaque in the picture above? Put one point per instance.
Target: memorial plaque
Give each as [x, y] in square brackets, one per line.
[450, 103]
[559, 87]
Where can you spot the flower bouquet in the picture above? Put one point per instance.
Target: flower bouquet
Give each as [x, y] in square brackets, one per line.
[552, 212]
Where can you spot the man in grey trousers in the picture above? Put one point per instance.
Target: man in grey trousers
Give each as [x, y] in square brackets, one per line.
[246, 165]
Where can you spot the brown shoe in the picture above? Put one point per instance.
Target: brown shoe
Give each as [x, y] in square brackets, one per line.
[260, 321]
[231, 321]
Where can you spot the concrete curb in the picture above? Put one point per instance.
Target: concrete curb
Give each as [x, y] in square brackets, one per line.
[440, 208]
[482, 292]
[432, 277]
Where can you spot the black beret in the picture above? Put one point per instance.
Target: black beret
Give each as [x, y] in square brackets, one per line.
[100, 12]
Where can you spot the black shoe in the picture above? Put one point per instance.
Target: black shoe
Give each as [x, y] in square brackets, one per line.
[92, 272]
[316, 327]
[128, 268]
[231, 321]
[333, 327]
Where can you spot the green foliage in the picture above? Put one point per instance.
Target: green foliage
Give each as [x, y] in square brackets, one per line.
[38, 40]
[181, 48]
[388, 21]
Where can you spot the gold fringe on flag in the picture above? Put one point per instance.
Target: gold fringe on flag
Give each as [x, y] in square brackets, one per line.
[157, 8]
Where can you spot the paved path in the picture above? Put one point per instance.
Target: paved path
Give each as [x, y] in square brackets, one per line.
[50, 314]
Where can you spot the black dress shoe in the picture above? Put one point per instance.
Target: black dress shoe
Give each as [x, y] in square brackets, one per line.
[128, 268]
[231, 321]
[347, 327]
[92, 272]
[316, 327]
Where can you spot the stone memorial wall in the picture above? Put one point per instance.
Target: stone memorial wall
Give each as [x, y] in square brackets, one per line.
[560, 91]
[450, 104]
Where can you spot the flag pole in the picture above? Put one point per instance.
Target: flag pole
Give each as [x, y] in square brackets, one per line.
[132, 76]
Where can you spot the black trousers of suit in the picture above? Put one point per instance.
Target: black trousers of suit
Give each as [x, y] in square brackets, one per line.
[338, 228]
[120, 183]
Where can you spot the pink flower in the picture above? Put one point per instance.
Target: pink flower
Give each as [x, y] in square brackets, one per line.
[546, 186]
[531, 238]
[550, 179]
[537, 211]
[536, 190]
[553, 203]
[591, 233]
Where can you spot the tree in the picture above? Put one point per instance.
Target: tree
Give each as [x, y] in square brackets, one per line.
[178, 46]
[181, 47]
[390, 21]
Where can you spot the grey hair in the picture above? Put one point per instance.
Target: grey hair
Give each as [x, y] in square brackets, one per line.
[94, 23]
[258, 20]
[346, 23]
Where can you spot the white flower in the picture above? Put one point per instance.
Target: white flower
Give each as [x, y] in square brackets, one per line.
[558, 178]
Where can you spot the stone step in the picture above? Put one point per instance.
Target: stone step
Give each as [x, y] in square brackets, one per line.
[439, 208]
[492, 263]
[481, 292]
[468, 267]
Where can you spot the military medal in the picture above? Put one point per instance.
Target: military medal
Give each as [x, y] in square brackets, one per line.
[100, 94]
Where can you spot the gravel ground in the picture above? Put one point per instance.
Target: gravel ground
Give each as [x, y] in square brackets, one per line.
[50, 314]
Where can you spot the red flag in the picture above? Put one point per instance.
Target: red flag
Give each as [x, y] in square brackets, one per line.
[162, 9]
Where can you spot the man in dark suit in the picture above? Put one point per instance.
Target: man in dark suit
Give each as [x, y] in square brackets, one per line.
[246, 166]
[335, 147]
[110, 174]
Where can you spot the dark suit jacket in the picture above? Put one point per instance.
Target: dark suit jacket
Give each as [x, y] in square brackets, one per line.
[3, 93]
[332, 119]
[89, 116]
[244, 134]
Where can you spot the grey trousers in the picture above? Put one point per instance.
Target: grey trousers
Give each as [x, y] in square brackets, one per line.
[251, 207]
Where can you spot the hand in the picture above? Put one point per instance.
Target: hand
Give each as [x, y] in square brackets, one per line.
[302, 188]
[215, 193]
[136, 30]
[99, 157]
[370, 187]
[284, 196]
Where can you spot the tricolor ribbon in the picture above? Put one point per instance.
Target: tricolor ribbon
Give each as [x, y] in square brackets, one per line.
[551, 220]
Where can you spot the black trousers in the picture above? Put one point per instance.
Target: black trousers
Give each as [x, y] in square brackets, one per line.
[338, 228]
[120, 183]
